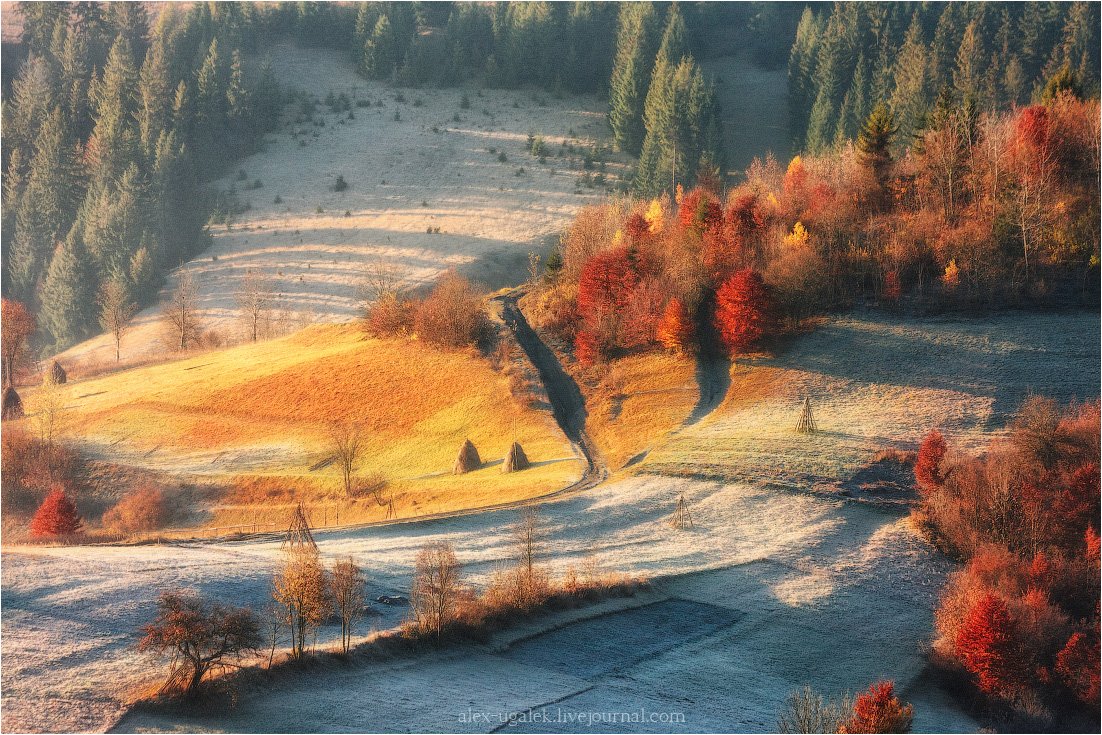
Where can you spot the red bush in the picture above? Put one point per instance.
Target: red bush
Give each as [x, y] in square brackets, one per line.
[892, 288]
[57, 516]
[743, 310]
[638, 228]
[879, 711]
[1078, 667]
[985, 646]
[587, 348]
[928, 473]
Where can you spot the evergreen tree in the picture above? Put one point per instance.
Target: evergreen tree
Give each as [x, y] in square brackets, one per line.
[874, 146]
[908, 101]
[154, 95]
[381, 50]
[67, 294]
[967, 76]
[631, 74]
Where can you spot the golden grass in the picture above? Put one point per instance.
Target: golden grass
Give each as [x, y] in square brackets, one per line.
[637, 402]
[257, 416]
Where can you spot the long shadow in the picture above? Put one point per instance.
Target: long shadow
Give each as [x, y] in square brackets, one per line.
[567, 402]
[713, 370]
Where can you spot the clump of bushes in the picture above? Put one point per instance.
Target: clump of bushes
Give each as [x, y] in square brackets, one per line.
[1020, 622]
[451, 316]
[143, 509]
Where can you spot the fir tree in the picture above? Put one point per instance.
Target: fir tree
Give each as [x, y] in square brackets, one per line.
[874, 146]
[631, 74]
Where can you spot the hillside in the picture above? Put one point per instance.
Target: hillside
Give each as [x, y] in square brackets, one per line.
[413, 159]
[256, 419]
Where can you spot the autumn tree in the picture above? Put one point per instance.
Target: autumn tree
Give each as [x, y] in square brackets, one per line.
[434, 592]
[198, 637]
[142, 509]
[57, 516]
[985, 646]
[743, 310]
[928, 472]
[301, 586]
[879, 711]
[347, 582]
[1077, 664]
[675, 330]
[16, 327]
[116, 310]
[452, 315]
[181, 314]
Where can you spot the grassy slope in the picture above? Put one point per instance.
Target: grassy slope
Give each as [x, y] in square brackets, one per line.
[256, 416]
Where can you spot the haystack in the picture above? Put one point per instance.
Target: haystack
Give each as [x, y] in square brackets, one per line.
[468, 459]
[516, 460]
[57, 373]
[806, 424]
[13, 404]
[298, 536]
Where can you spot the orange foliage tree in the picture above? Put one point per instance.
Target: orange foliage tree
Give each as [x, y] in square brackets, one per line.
[16, 327]
[1078, 667]
[675, 330]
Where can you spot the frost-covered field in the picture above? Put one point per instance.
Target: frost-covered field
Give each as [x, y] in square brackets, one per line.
[771, 588]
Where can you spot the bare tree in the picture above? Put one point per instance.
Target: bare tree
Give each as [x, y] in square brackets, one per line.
[348, 596]
[116, 310]
[301, 586]
[381, 279]
[274, 616]
[806, 711]
[434, 593]
[347, 444]
[181, 316]
[531, 581]
[256, 299]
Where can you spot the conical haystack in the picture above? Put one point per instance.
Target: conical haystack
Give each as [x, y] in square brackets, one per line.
[806, 424]
[516, 460]
[57, 373]
[298, 535]
[13, 404]
[468, 459]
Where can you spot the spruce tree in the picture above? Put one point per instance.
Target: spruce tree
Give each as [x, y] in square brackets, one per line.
[154, 97]
[910, 94]
[874, 146]
[67, 294]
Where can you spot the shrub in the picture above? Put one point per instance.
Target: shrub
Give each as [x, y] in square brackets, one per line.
[806, 711]
[928, 464]
[340, 184]
[452, 315]
[143, 509]
[879, 711]
[389, 316]
[57, 516]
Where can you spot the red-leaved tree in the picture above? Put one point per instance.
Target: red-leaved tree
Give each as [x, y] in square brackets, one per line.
[607, 281]
[57, 516]
[879, 710]
[587, 348]
[928, 472]
[1078, 667]
[985, 646]
[700, 211]
[743, 310]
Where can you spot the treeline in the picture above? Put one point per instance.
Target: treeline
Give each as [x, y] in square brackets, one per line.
[111, 128]
[988, 211]
[660, 106]
[1019, 622]
[915, 56]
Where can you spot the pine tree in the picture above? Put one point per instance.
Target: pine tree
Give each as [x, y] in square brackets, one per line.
[67, 292]
[381, 50]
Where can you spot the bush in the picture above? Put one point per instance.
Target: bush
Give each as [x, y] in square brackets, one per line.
[143, 509]
[879, 711]
[340, 184]
[452, 315]
[57, 516]
[389, 316]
